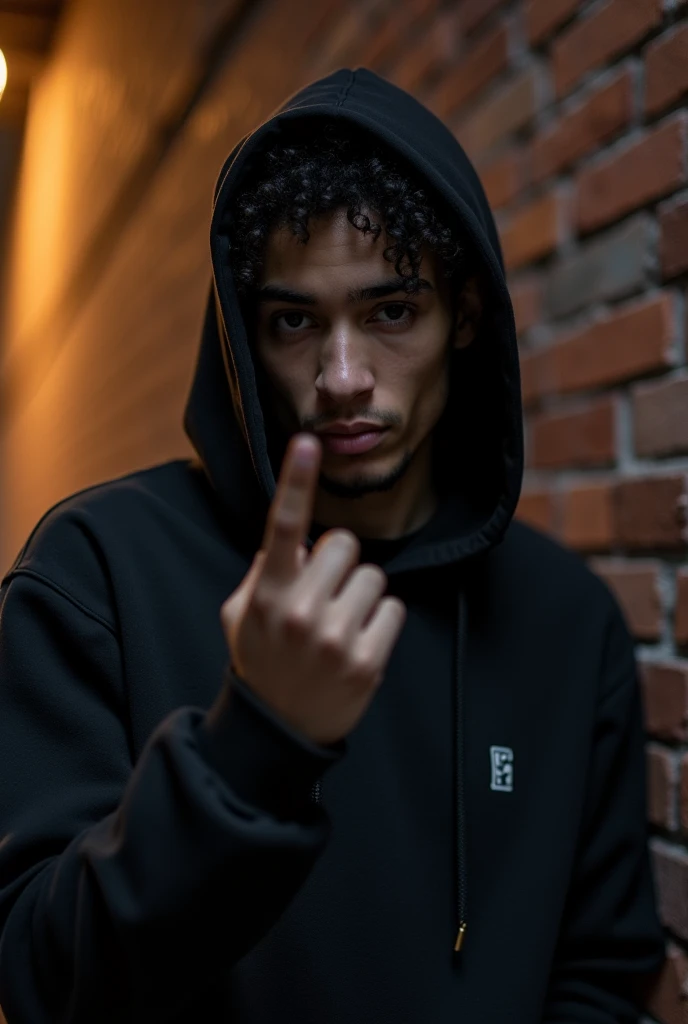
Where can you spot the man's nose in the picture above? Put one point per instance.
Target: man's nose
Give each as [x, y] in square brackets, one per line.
[345, 364]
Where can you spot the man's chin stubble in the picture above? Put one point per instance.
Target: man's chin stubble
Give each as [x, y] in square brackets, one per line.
[361, 485]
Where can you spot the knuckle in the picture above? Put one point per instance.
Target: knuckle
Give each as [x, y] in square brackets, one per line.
[392, 604]
[261, 601]
[354, 544]
[284, 526]
[362, 668]
[332, 643]
[346, 540]
[375, 574]
[297, 620]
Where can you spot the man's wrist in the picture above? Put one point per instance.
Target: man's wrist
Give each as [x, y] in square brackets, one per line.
[266, 762]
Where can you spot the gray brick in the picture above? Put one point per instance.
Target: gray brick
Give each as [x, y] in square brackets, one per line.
[670, 865]
[617, 264]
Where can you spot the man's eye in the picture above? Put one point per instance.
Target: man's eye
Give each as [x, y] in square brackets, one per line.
[292, 321]
[395, 312]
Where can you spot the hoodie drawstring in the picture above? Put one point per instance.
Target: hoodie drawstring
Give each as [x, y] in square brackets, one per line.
[459, 761]
[459, 758]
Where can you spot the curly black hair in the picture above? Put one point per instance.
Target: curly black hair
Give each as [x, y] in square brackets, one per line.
[316, 168]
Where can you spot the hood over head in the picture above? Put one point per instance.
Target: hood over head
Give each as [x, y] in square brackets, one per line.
[478, 448]
[478, 442]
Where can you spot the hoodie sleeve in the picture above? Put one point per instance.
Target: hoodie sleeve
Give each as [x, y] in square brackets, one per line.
[611, 939]
[127, 891]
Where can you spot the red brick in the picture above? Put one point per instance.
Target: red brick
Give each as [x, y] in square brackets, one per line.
[508, 111]
[390, 35]
[673, 221]
[636, 587]
[537, 508]
[620, 346]
[644, 171]
[587, 517]
[605, 113]
[665, 699]
[505, 177]
[526, 298]
[661, 787]
[605, 34]
[324, 20]
[474, 12]
[485, 59]
[534, 366]
[660, 417]
[535, 231]
[651, 512]
[671, 874]
[668, 1000]
[666, 69]
[681, 613]
[422, 8]
[425, 61]
[543, 17]
[383, 42]
[584, 437]
[683, 792]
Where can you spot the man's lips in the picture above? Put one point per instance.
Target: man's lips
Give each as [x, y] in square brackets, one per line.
[353, 443]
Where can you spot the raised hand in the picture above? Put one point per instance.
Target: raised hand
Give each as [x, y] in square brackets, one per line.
[311, 634]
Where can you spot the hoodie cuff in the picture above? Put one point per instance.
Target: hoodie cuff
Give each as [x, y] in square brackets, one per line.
[266, 762]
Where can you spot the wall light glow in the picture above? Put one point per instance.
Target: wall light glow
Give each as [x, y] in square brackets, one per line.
[3, 73]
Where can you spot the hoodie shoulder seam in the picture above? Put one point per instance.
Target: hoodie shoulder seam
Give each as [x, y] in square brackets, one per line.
[346, 90]
[63, 593]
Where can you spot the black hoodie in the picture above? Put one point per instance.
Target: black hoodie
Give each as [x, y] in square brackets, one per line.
[173, 851]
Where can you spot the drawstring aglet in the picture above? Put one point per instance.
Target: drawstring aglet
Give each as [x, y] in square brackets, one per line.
[459, 938]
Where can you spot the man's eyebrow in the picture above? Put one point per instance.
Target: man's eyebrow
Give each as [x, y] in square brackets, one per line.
[276, 293]
[384, 288]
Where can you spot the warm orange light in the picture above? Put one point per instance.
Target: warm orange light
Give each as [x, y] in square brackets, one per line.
[3, 73]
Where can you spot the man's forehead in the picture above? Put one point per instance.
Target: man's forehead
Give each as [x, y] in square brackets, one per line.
[331, 236]
[337, 256]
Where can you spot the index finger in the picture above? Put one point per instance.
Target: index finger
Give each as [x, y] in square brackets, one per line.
[291, 510]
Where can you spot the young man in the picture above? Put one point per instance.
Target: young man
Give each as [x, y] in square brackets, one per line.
[358, 747]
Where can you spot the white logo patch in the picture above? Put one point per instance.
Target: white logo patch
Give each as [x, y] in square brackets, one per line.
[502, 769]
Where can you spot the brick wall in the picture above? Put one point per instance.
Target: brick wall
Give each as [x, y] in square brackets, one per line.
[576, 114]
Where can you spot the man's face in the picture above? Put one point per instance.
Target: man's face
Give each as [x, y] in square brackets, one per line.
[340, 341]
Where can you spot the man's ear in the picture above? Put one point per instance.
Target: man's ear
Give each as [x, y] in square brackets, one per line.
[469, 311]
